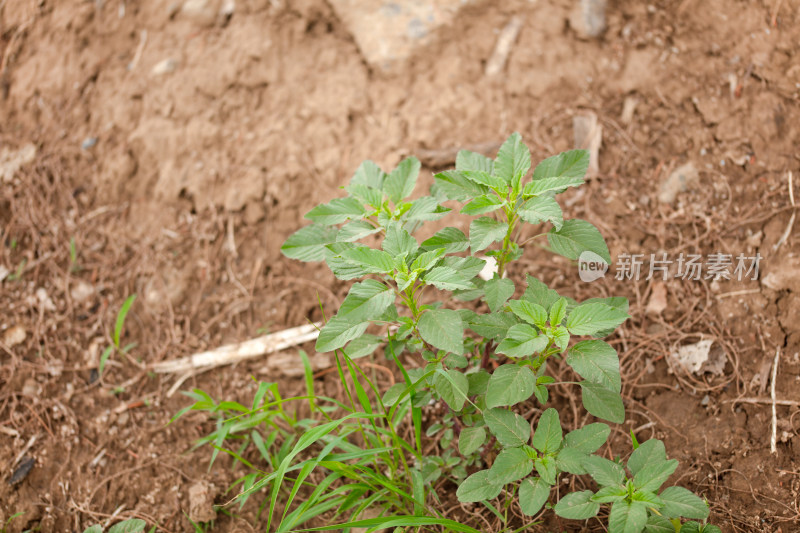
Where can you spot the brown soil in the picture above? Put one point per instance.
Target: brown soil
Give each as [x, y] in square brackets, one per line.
[199, 174]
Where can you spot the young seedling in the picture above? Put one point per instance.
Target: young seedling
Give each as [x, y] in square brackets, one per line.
[118, 326]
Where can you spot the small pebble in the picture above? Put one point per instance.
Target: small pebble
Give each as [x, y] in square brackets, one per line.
[14, 335]
[88, 142]
[705, 400]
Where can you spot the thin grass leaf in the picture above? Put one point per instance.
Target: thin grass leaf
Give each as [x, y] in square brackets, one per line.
[123, 313]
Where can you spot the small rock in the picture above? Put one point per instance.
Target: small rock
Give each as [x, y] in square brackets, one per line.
[706, 399]
[489, 269]
[165, 67]
[201, 12]
[588, 19]
[22, 470]
[12, 160]
[30, 388]
[201, 502]
[588, 136]
[4, 272]
[14, 335]
[81, 292]
[681, 179]
[628, 110]
[227, 9]
[698, 358]
[88, 142]
[658, 299]
[44, 300]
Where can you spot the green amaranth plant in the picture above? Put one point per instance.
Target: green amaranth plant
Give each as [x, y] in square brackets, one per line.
[387, 476]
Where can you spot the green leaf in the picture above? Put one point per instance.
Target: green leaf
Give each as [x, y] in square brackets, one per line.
[97, 528]
[558, 311]
[547, 437]
[577, 506]
[546, 185]
[404, 280]
[356, 230]
[493, 326]
[709, 528]
[509, 385]
[652, 476]
[466, 160]
[602, 402]
[560, 337]
[446, 278]
[131, 525]
[571, 460]
[542, 209]
[373, 261]
[588, 439]
[498, 291]
[393, 393]
[477, 488]
[485, 203]
[470, 440]
[366, 195]
[336, 211]
[362, 346]
[443, 329]
[484, 231]
[426, 208]
[478, 382]
[603, 471]
[587, 319]
[627, 517]
[427, 260]
[513, 159]
[570, 164]
[452, 388]
[658, 524]
[338, 332]
[398, 242]
[539, 293]
[370, 175]
[596, 361]
[679, 501]
[575, 237]
[401, 181]
[541, 393]
[610, 494]
[510, 429]
[529, 312]
[308, 243]
[533, 493]
[486, 179]
[469, 266]
[344, 269]
[510, 465]
[452, 240]
[522, 340]
[366, 301]
[546, 467]
[692, 527]
[454, 185]
[649, 452]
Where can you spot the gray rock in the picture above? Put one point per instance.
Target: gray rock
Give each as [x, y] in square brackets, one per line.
[681, 179]
[387, 32]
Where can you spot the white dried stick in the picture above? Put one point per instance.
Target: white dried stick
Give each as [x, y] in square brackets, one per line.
[233, 353]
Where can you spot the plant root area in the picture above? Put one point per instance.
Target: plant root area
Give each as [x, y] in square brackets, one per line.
[168, 153]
